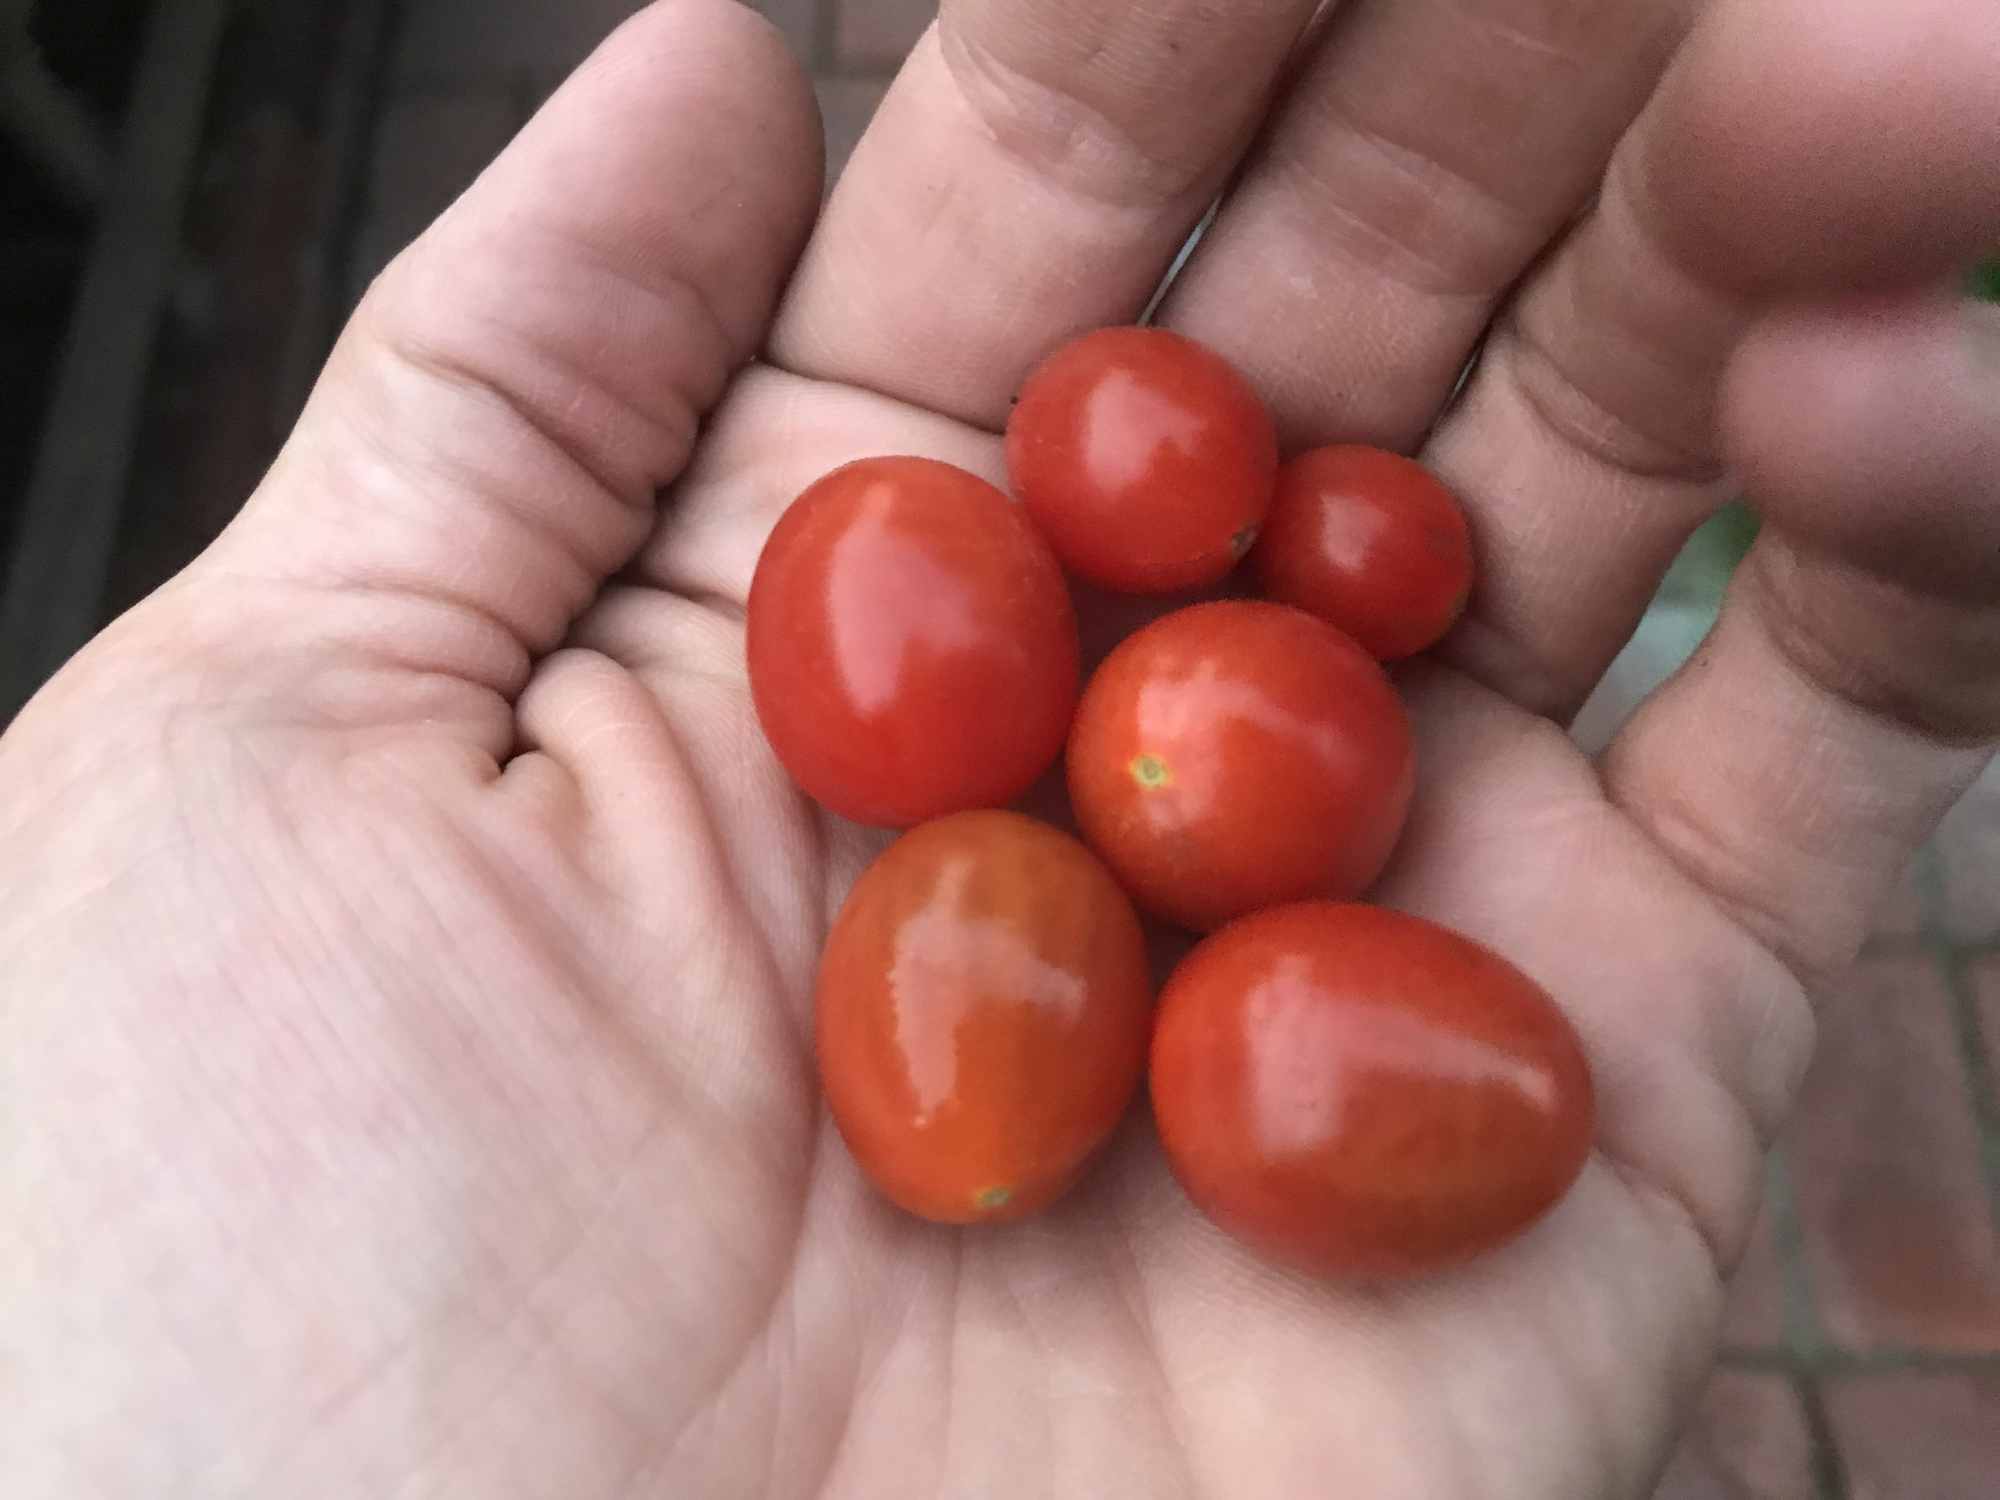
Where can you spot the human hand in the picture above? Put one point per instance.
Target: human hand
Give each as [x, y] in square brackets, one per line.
[404, 1070]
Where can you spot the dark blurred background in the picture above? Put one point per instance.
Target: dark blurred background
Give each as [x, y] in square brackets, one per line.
[178, 183]
[193, 194]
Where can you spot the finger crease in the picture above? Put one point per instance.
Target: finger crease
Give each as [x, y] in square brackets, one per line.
[461, 375]
[1679, 833]
[1059, 137]
[1890, 695]
[1590, 426]
[1507, 229]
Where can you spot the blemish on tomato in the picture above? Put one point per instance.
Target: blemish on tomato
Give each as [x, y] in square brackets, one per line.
[988, 1199]
[1151, 771]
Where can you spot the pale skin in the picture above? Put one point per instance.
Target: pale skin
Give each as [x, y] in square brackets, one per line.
[404, 1077]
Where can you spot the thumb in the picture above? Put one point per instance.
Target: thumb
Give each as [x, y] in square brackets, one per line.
[487, 440]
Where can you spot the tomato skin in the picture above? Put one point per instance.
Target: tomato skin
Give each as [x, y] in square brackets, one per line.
[1369, 541]
[1356, 1092]
[982, 1016]
[1237, 754]
[1145, 458]
[912, 646]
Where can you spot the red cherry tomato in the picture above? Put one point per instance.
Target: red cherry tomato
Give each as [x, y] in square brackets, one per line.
[982, 1017]
[1357, 1092]
[1369, 541]
[1238, 754]
[1145, 458]
[912, 646]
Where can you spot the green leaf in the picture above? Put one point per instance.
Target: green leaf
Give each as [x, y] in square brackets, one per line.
[1986, 281]
[1702, 571]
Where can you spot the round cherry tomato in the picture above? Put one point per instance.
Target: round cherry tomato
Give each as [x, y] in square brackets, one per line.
[1369, 541]
[1358, 1092]
[1238, 754]
[982, 1016]
[912, 646]
[1145, 458]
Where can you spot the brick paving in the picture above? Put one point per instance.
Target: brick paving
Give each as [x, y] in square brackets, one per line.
[1755, 1318]
[1752, 1440]
[1862, 1340]
[1968, 876]
[1918, 1434]
[1898, 1240]
[1982, 981]
[875, 34]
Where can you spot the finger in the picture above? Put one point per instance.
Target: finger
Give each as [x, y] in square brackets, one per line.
[1911, 381]
[1030, 174]
[774, 436]
[1851, 689]
[1428, 155]
[486, 442]
[1796, 145]
[1695, 1038]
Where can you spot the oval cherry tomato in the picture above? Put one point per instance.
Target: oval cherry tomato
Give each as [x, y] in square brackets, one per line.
[1238, 754]
[911, 642]
[1358, 1092]
[1145, 458]
[982, 1016]
[1369, 541]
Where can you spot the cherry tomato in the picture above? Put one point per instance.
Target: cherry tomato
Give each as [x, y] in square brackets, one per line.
[1145, 458]
[982, 1016]
[1238, 754]
[1369, 541]
[912, 646]
[1358, 1092]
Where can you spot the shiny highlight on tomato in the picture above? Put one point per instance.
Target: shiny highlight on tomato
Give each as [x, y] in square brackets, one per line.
[981, 1016]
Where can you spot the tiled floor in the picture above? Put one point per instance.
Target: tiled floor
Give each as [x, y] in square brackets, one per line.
[1863, 1348]
[1861, 1351]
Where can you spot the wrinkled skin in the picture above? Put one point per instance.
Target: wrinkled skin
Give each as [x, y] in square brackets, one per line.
[406, 940]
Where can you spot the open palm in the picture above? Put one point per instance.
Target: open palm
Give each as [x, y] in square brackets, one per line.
[407, 938]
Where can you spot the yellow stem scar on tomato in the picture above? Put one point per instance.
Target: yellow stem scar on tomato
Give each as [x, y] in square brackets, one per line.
[1151, 771]
[988, 1199]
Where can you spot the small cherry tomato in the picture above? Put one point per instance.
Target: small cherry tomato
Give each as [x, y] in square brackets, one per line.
[982, 1016]
[1144, 457]
[912, 647]
[1369, 541]
[1238, 754]
[1357, 1092]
